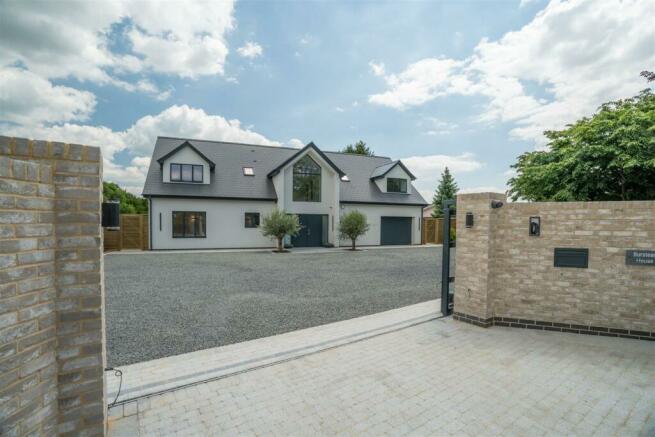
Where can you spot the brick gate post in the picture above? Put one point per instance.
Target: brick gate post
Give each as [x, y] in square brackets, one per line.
[52, 330]
[474, 255]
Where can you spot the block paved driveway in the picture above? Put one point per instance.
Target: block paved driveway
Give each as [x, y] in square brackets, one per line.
[163, 304]
[438, 377]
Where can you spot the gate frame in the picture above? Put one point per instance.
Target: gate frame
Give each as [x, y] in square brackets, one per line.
[446, 279]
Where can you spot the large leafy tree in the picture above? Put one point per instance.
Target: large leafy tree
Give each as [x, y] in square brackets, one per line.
[610, 156]
[359, 148]
[130, 204]
[446, 190]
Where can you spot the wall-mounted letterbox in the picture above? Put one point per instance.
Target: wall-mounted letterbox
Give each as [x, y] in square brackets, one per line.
[535, 226]
[111, 215]
[469, 219]
[568, 257]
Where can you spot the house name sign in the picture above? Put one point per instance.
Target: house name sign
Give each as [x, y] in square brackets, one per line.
[640, 257]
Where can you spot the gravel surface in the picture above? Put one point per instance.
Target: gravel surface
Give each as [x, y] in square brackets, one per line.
[160, 305]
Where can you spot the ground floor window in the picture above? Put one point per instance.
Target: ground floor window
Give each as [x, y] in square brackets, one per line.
[252, 220]
[188, 224]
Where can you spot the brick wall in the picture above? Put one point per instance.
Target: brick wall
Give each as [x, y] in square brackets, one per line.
[506, 277]
[51, 289]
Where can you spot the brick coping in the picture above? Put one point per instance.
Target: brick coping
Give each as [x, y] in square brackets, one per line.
[554, 326]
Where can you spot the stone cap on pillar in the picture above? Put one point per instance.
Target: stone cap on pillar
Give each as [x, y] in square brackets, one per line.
[481, 196]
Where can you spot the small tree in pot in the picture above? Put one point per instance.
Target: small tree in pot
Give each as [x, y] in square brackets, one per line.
[353, 225]
[279, 224]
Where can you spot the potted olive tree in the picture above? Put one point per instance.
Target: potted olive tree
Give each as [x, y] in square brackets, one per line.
[353, 225]
[278, 224]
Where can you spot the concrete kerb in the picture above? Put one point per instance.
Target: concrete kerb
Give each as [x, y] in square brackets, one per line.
[178, 372]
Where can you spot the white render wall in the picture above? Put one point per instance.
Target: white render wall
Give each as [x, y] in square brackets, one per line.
[226, 228]
[225, 223]
[185, 156]
[329, 204]
[374, 214]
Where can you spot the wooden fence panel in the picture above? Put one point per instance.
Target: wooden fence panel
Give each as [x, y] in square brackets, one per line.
[433, 230]
[112, 240]
[133, 233]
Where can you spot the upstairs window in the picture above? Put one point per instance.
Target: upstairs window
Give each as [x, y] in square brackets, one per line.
[189, 224]
[396, 185]
[187, 173]
[306, 180]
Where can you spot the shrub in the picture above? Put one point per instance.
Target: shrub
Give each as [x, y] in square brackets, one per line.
[353, 225]
[279, 224]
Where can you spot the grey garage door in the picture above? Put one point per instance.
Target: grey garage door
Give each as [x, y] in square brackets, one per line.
[396, 230]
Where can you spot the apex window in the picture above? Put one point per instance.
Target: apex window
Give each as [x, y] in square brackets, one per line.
[189, 224]
[252, 219]
[306, 180]
[396, 185]
[187, 173]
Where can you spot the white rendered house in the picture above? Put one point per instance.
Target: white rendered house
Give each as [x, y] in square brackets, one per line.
[212, 194]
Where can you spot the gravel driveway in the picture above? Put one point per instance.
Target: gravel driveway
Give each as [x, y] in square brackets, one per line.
[167, 304]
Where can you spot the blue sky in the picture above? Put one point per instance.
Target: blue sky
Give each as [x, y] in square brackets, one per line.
[468, 84]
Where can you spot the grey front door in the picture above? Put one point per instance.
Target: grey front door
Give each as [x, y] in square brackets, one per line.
[396, 230]
[311, 232]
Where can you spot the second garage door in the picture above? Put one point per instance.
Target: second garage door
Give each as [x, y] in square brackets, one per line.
[396, 230]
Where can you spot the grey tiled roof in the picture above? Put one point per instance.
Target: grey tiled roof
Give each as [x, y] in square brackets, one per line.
[383, 169]
[228, 180]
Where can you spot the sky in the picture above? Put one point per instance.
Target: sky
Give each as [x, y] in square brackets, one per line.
[465, 84]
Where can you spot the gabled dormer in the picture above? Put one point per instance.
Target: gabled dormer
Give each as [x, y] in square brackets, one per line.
[307, 177]
[185, 164]
[393, 177]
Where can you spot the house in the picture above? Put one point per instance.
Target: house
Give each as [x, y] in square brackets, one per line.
[213, 194]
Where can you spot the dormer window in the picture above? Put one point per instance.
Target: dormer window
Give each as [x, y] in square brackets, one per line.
[396, 185]
[248, 171]
[187, 173]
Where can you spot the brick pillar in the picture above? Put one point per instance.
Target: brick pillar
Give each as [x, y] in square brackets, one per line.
[63, 208]
[28, 367]
[474, 256]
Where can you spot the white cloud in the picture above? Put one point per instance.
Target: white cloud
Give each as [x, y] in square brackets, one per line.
[74, 38]
[339, 109]
[377, 68]
[580, 53]
[526, 2]
[141, 161]
[139, 140]
[306, 39]
[250, 50]
[295, 143]
[431, 166]
[27, 98]
[421, 82]
[436, 126]
[428, 169]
